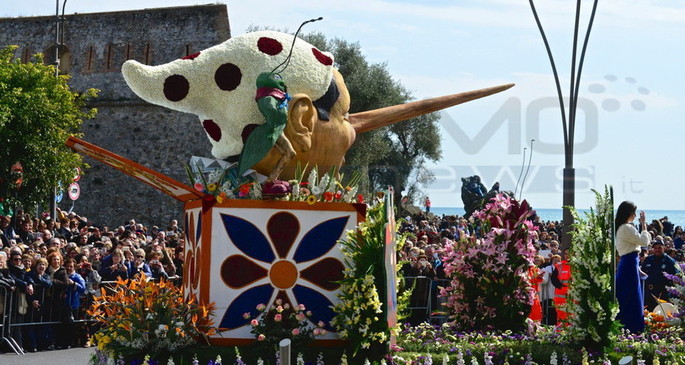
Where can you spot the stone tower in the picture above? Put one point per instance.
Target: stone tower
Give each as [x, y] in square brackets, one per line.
[95, 47]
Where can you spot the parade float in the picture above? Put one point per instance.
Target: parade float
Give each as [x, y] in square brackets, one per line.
[279, 245]
[265, 227]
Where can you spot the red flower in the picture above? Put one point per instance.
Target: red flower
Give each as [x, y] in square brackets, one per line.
[328, 196]
[338, 195]
[244, 189]
[360, 199]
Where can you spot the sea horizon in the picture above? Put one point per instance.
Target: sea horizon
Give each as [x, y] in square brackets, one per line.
[677, 217]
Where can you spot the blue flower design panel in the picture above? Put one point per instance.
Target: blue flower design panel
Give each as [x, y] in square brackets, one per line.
[320, 239]
[317, 303]
[245, 303]
[248, 238]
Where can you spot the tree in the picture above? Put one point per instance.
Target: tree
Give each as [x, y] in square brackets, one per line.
[393, 155]
[38, 112]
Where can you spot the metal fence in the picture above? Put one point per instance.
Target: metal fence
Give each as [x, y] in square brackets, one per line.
[44, 310]
[425, 303]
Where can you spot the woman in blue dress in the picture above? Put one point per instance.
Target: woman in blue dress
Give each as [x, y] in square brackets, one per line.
[628, 287]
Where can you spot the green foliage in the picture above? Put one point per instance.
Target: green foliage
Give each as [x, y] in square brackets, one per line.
[394, 155]
[38, 112]
[360, 315]
[590, 296]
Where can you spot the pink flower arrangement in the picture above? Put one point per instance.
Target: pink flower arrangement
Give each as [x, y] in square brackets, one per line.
[490, 287]
[283, 320]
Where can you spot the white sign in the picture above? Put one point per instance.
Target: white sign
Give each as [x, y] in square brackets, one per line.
[74, 191]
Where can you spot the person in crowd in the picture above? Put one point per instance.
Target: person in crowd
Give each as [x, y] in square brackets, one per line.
[76, 286]
[427, 204]
[139, 265]
[95, 257]
[536, 279]
[178, 261]
[547, 288]
[668, 226]
[628, 286]
[39, 337]
[24, 289]
[117, 269]
[8, 232]
[563, 278]
[25, 233]
[156, 266]
[679, 240]
[27, 261]
[89, 274]
[655, 265]
[7, 285]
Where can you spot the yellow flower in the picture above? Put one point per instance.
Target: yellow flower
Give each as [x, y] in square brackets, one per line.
[212, 187]
[311, 199]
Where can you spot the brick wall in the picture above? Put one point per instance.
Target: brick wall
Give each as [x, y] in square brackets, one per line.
[97, 45]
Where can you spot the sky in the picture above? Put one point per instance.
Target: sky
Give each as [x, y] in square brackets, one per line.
[632, 101]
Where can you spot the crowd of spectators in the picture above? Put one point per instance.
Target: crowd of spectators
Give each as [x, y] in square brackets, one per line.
[428, 234]
[51, 269]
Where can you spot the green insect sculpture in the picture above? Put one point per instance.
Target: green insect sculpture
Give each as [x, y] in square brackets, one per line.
[272, 100]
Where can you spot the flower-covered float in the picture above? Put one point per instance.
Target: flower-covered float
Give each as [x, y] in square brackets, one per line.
[250, 241]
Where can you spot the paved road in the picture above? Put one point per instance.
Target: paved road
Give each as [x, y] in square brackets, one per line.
[75, 356]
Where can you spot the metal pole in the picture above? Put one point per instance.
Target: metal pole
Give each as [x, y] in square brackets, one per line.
[569, 200]
[59, 40]
[284, 347]
[569, 124]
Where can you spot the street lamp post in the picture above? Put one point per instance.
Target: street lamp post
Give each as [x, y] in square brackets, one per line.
[569, 123]
[59, 42]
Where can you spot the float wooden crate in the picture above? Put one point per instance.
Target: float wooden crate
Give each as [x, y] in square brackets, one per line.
[241, 253]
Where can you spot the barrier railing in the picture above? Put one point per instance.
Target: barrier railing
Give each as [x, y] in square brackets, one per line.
[47, 306]
[7, 300]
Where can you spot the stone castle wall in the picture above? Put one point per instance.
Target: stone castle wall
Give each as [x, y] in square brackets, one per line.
[97, 45]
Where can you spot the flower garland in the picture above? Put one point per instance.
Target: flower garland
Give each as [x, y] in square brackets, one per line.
[490, 286]
[326, 188]
[590, 301]
[222, 184]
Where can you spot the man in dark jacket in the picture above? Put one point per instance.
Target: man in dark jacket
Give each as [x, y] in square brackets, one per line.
[655, 265]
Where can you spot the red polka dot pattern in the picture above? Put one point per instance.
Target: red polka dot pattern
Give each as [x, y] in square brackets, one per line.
[191, 56]
[325, 60]
[176, 87]
[269, 46]
[228, 76]
[212, 129]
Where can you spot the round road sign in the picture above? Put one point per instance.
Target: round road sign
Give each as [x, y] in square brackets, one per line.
[74, 191]
[77, 174]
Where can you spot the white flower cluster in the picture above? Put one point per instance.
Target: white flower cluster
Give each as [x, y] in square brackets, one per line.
[590, 287]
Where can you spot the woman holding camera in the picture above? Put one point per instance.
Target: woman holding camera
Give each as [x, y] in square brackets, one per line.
[118, 269]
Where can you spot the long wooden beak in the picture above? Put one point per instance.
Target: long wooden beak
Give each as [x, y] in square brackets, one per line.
[373, 119]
